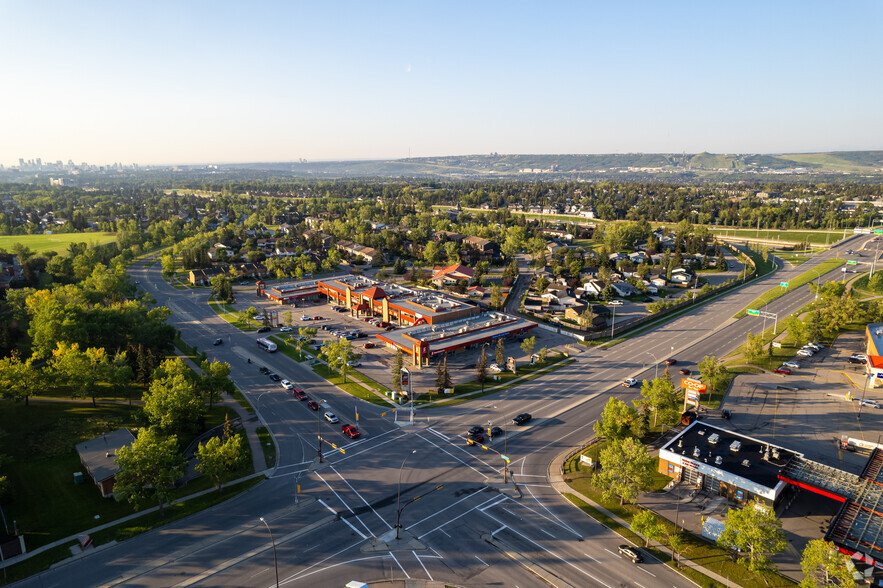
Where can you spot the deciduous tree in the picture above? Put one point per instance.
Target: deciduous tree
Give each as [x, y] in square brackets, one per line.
[626, 470]
[148, 469]
[755, 530]
[218, 458]
[659, 396]
[617, 420]
[648, 524]
[824, 566]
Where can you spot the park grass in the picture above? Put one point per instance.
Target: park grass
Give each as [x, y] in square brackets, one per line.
[695, 548]
[350, 387]
[56, 242]
[804, 278]
[792, 258]
[268, 446]
[226, 312]
[818, 237]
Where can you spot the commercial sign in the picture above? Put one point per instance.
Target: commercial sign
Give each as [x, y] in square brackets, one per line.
[693, 385]
[851, 262]
[783, 284]
[753, 312]
[689, 464]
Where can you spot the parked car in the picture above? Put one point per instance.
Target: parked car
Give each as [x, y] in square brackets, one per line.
[522, 419]
[218, 341]
[684, 371]
[670, 361]
[383, 324]
[792, 364]
[313, 405]
[870, 403]
[258, 317]
[351, 431]
[368, 345]
[631, 553]
[306, 318]
[287, 385]
[264, 330]
[318, 318]
[805, 352]
[329, 416]
[476, 438]
[354, 362]
[286, 330]
[629, 382]
[391, 328]
[616, 302]
[495, 368]
[783, 370]
[856, 360]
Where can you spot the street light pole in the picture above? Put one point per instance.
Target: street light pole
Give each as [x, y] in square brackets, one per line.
[613, 325]
[399, 494]
[657, 364]
[275, 560]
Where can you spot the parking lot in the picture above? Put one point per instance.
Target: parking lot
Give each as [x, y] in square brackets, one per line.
[376, 360]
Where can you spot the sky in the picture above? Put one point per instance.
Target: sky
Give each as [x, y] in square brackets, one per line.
[217, 82]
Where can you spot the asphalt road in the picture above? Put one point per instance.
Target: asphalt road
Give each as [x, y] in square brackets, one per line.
[464, 533]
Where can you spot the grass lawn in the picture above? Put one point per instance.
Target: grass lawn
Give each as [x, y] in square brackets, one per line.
[819, 237]
[43, 498]
[802, 279]
[57, 242]
[268, 446]
[862, 285]
[792, 258]
[226, 312]
[695, 548]
[350, 387]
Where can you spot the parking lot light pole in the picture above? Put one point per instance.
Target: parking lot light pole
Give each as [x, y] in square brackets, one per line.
[275, 560]
[399, 495]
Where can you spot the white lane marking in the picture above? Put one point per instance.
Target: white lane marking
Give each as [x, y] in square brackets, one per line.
[638, 585]
[370, 532]
[591, 558]
[322, 502]
[455, 518]
[446, 508]
[343, 563]
[355, 530]
[646, 572]
[445, 437]
[400, 565]
[294, 473]
[611, 553]
[422, 566]
[454, 456]
[550, 552]
[535, 485]
[501, 499]
[560, 523]
[498, 530]
[481, 560]
[547, 533]
[364, 449]
[360, 496]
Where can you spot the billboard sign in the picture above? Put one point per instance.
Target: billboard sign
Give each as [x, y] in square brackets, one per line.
[693, 385]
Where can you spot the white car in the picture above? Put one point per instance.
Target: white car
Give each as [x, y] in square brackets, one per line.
[792, 364]
[287, 385]
[870, 403]
[814, 346]
[494, 368]
[354, 363]
[286, 330]
[258, 317]
[306, 318]
[630, 382]
[329, 416]
[616, 303]
[806, 353]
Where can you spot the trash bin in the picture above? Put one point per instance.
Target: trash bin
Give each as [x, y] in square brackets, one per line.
[78, 477]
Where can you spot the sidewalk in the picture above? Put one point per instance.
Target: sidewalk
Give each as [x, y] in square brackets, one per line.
[561, 487]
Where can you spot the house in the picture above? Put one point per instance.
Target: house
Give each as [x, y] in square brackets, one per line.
[624, 289]
[369, 254]
[446, 276]
[617, 257]
[639, 257]
[202, 276]
[658, 282]
[593, 288]
[99, 456]
[486, 249]
[680, 278]
[218, 251]
[444, 236]
[558, 298]
[286, 251]
[573, 313]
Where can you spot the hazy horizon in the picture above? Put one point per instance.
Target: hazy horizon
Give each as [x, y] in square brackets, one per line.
[225, 83]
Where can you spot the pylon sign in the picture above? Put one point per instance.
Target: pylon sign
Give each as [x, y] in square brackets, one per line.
[693, 385]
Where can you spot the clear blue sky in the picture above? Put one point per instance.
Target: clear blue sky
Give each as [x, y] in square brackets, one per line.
[203, 82]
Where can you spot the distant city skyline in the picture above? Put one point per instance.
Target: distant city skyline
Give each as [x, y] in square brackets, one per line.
[194, 83]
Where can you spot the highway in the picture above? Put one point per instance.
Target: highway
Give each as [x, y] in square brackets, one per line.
[458, 527]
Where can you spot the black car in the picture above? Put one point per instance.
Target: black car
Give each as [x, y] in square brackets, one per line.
[218, 341]
[522, 419]
[475, 430]
[858, 360]
[631, 553]
[275, 377]
[265, 370]
[264, 330]
[496, 431]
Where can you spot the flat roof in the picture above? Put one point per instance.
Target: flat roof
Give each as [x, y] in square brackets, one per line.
[875, 339]
[459, 333]
[704, 443]
[99, 454]
[416, 301]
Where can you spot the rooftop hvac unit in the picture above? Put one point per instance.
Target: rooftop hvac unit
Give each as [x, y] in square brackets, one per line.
[746, 463]
[696, 452]
[735, 446]
[701, 431]
[718, 460]
[714, 438]
[776, 453]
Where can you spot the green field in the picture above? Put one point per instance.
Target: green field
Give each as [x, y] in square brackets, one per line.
[59, 243]
[804, 278]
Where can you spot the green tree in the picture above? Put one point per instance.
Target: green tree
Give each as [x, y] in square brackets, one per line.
[221, 288]
[215, 381]
[824, 566]
[337, 354]
[496, 296]
[481, 366]
[754, 347]
[648, 524]
[605, 275]
[18, 379]
[659, 396]
[542, 284]
[712, 369]
[148, 469]
[499, 353]
[431, 252]
[586, 317]
[543, 353]
[617, 420]
[82, 369]
[452, 252]
[755, 530]
[527, 346]
[169, 265]
[396, 369]
[171, 404]
[875, 282]
[286, 318]
[219, 459]
[626, 470]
